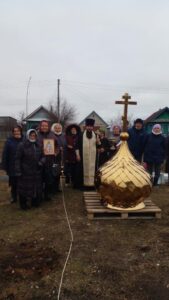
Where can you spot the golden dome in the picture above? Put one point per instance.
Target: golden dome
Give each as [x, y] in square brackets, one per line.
[122, 181]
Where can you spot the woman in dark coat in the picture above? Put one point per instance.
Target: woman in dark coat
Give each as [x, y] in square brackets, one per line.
[167, 154]
[103, 149]
[73, 167]
[114, 140]
[50, 178]
[154, 153]
[28, 166]
[61, 141]
[8, 159]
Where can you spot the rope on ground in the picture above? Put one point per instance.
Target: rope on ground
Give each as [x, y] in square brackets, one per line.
[71, 240]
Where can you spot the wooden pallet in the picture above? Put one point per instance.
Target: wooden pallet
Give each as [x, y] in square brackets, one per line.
[95, 210]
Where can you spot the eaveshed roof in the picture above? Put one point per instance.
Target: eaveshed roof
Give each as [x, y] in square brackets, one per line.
[156, 114]
[51, 115]
[93, 112]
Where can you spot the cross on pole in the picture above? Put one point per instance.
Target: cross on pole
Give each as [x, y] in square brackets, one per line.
[126, 102]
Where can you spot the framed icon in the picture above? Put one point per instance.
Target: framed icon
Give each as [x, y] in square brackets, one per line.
[48, 147]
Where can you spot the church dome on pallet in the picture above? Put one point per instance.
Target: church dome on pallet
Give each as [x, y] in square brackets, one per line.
[122, 182]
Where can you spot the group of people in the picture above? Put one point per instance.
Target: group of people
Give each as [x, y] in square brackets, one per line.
[149, 149]
[34, 161]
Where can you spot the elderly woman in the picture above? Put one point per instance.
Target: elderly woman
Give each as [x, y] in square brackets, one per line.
[8, 159]
[28, 166]
[61, 141]
[73, 168]
[154, 153]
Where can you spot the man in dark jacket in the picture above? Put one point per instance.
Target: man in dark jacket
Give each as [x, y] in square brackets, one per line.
[137, 139]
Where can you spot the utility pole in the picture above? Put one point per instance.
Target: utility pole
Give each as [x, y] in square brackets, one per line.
[27, 93]
[58, 100]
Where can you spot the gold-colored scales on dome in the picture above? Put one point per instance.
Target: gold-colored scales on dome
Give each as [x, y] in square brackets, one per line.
[122, 182]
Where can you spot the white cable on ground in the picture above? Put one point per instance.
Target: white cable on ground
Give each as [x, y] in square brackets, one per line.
[71, 241]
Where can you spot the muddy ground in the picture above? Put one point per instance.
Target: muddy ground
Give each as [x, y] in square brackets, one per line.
[110, 259]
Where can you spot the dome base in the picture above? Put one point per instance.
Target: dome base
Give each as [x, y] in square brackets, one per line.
[137, 207]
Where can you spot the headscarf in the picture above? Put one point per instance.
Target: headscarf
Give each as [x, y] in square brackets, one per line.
[156, 126]
[69, 128]
[28, 134]
[53, 129]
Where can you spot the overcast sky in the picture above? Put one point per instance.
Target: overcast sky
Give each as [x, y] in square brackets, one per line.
[99, 49]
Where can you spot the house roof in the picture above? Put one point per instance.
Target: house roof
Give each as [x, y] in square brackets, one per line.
[155, 115]
[40, 108]
[93, 112]
[7, 117]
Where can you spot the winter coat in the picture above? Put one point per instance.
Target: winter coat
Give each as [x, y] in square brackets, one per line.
[103, 156]
[50, 159]
[74, 141]
[70, 154]
[167, 154]
[48, 175]
[8, 156]
[61, 141]
[136, 142]
[28, 167]
[155, 149]
[114, 141]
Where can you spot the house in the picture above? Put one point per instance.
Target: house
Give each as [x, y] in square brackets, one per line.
[99, 122]
[6, 125]
[41, 113]
[161, 117]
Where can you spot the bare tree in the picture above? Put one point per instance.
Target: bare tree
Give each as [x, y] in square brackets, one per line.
[67, 112]
[21, 116]
[118, 120]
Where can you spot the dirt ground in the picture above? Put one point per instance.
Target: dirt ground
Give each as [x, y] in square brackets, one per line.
[110, 259]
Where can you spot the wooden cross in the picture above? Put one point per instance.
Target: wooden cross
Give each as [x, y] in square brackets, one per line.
[126, 102]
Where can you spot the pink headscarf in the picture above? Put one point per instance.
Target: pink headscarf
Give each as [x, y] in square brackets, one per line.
[156, 126]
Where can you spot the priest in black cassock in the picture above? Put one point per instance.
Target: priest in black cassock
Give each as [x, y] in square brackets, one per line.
[89, 154]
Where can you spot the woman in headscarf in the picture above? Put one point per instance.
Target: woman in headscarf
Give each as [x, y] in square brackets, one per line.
[8, 159]
[73, 169]
[154, 152]
[28, 166]
[103, 148]
[61, 141]
[167, 158]
[114, 140]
